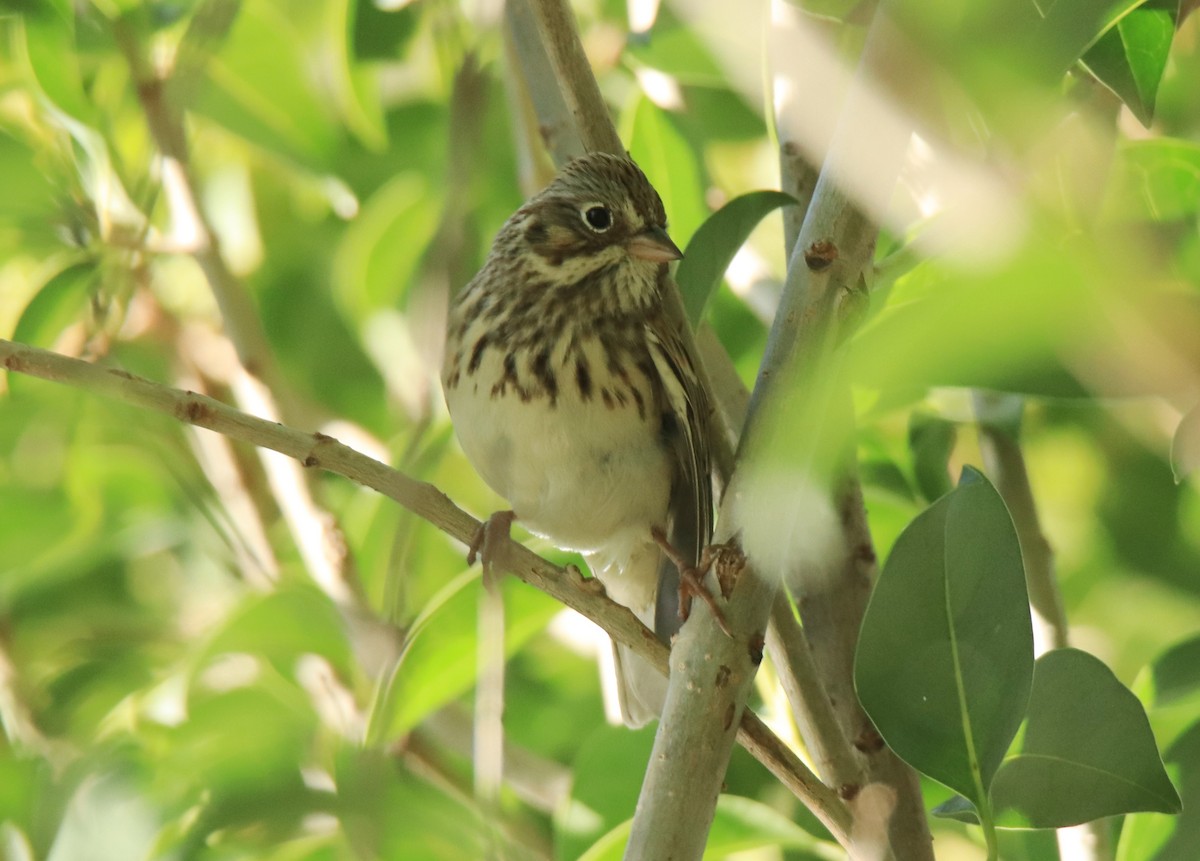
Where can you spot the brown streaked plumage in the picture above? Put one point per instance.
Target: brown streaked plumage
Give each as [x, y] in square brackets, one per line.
[575, 399]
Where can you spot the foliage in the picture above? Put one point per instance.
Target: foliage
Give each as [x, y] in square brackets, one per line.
[174, 685]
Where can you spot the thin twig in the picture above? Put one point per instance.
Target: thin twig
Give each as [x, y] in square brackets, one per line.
[316, 450]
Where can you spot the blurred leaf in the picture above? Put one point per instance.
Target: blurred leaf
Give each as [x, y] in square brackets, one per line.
[388, 813]
[283, 625]
[739, 825]
[1175, 674]
[260, 86]
[61, 301]
[945, 656]
[381, 34]
[1087, 752]
[713, 246]
[607, 771]
[679, 52]
[380, 250]
[50, 46]
[1162, 837]
[665, 157]
[1185, 445]
[931, 441]
[1155, 180]
[439, 660]
[1066, 29]
[1131, 56]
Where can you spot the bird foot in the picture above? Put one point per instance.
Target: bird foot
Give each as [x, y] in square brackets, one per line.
[691, 580]
[489, 538]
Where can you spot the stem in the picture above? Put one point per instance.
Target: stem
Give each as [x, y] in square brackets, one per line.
[318, 451]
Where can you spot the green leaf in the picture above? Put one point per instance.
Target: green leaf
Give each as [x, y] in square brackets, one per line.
[1185, 445]
[607, 777]
[739, 825]
[1155, 180]
[380, 250]
[670, 163]
[716, 242]
[1162, 837]
[1130, 57]
[54, 59]
[61, 301]
[931, 440]
[1175, 675]
[439, 660]
[283, 625]
[1087, 752]
[1067, 29]
[945, 656]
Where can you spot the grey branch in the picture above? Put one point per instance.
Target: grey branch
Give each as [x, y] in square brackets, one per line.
[316, 450]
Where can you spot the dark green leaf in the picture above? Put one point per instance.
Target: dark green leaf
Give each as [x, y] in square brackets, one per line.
[1087, 752]
[945, 657]
[716, 242]
[931, 440]
[1131, 56]
[1066, 29]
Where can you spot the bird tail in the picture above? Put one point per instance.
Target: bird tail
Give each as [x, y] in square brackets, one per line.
[633, 689]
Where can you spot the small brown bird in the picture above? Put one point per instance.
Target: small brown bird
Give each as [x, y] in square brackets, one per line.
[575, 399]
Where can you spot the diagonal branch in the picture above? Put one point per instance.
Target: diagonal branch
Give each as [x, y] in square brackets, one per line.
[317, 450]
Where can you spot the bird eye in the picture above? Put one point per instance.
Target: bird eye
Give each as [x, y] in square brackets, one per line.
[598, 218]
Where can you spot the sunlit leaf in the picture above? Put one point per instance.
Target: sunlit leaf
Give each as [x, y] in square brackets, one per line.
[1131, 56]
[60, 302]
[945, 656]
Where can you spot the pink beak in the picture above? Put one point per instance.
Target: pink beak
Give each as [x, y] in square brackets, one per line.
[654, 245]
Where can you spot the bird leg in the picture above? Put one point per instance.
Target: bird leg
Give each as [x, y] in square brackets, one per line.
[489, 538]
[691, 579]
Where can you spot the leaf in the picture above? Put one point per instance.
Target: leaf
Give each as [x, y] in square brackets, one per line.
[439, 660]
[1175, 675]
[945, 656]
[1088, 751]
[1067, 29]
[1155, 180]
[1185, 445]
[669, 162]
[50, 46]
[1160, 837]
[283, 625]
[739, 825]
[931, 440]
[1130, 57]
[716, 242]
[61, 301]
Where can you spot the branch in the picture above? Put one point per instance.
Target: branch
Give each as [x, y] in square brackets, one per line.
[317, 450]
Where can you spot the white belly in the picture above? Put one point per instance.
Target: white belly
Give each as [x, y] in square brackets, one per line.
[586, 476]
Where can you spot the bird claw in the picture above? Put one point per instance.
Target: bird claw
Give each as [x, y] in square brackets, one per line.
[488, 539]
[691, 581]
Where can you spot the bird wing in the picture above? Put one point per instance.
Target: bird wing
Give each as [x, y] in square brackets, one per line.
[691, 526]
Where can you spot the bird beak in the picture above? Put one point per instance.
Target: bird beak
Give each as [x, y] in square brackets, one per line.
[654, 245]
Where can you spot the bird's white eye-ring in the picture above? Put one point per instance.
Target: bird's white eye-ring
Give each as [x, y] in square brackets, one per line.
[597, 217]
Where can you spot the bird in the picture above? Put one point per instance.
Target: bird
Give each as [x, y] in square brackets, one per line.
[574, 397]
